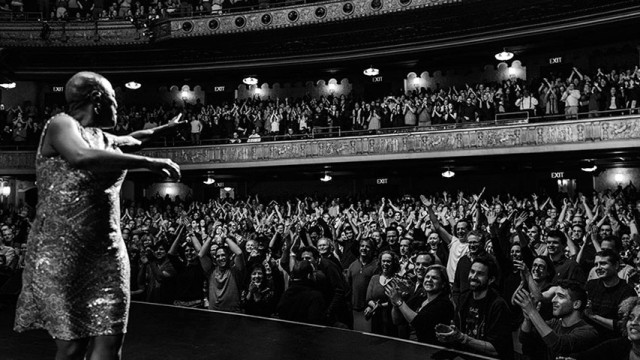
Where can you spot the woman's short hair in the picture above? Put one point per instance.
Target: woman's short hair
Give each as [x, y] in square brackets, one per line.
[446, 285]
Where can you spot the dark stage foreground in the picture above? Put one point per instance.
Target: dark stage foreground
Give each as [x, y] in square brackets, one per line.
[167, 332]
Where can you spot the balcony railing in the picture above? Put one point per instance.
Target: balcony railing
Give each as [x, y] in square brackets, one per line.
[470, 18]
[616, 132]
[501, 119]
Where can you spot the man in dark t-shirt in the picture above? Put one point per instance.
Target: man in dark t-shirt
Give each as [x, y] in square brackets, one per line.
[483, 318]
[606, 293]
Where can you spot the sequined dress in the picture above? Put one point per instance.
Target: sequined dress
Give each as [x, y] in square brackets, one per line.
[76, 276]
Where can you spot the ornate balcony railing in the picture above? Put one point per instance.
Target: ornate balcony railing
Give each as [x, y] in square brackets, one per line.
[469, 18]
[586, 134]
[122, 32]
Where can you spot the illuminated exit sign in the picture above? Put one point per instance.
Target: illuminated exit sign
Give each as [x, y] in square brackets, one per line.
[555, 60]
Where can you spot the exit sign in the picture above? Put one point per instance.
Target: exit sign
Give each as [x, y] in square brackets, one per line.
[555, 60]
[557, 175]
[218, 88]
[382, 181]
[58, 88]
[376, 79]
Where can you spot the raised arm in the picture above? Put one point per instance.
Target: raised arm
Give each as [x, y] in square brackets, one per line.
[205, 257]
[444, 234]
[148, 134]
[64, 138]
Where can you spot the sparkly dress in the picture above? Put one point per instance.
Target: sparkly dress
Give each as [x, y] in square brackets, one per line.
[76, 276]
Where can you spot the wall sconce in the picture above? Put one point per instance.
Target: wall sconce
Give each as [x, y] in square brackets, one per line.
[332, 87]
[588, 166]
[5, 188]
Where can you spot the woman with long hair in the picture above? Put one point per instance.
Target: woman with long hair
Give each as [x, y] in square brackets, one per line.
[379, 309]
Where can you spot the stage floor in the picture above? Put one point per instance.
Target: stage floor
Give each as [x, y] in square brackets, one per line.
[167, 332]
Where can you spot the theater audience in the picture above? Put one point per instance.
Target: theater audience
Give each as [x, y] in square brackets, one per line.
[256, 234]
[262, 120]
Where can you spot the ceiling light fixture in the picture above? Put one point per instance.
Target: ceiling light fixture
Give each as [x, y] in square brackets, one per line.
[504, 55]
[371, 71]
[227, 189]
[10, 85]
[133, 85]
[209, 181]
[588, 166]
[326, 177]
[249, 80]
[448, 174]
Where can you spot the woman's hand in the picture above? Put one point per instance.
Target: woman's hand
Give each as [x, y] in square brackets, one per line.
[177, 120]
[165, 167]
[391, 290]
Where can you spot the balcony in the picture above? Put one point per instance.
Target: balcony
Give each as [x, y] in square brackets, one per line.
[301, 33]
[605, 135]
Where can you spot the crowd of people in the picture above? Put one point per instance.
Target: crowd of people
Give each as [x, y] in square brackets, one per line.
[501, 275]
[91, 10]
[254, 120]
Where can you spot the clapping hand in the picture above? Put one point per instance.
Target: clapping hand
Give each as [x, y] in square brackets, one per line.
[426, 202]
[391, 290]
[523, 299]
[521, 219]
[491, 217]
